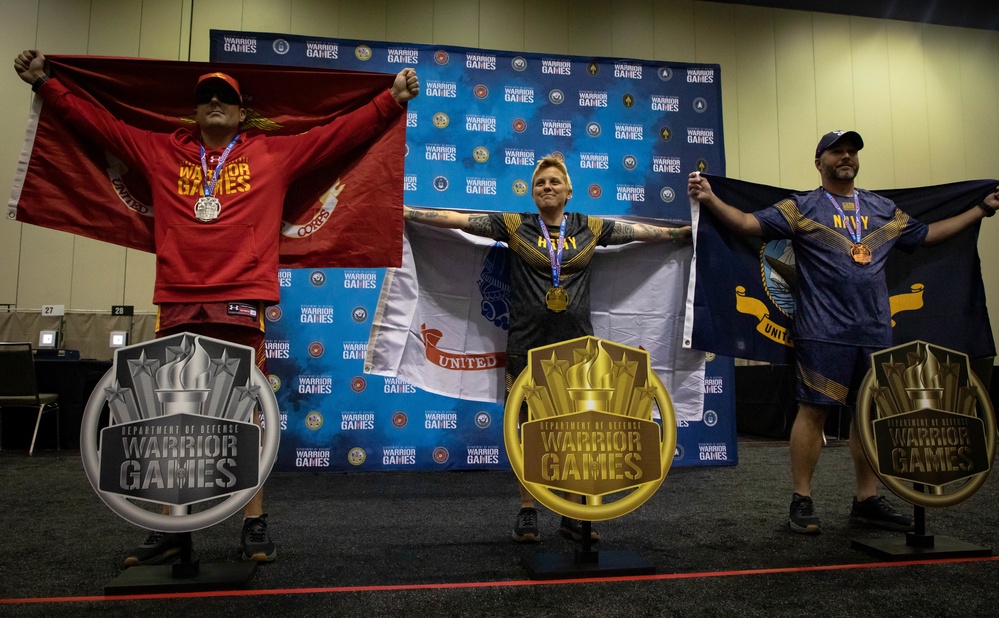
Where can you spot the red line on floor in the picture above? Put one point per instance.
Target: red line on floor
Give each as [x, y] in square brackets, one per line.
[497, 584]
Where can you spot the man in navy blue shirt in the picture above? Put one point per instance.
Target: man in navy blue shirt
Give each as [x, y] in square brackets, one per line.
[841, 236]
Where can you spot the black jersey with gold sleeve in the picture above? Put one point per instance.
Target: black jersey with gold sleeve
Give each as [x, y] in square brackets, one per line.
[532, 324]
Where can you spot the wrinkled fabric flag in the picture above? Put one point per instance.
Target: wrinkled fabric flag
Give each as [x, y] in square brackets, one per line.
[740, 306]
[345, 214]
[441, 318]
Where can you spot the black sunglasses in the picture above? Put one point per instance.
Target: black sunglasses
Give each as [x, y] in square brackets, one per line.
[224, 95]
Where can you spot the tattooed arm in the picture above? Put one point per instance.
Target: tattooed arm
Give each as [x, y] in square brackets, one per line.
[626, 232]
[473, 223]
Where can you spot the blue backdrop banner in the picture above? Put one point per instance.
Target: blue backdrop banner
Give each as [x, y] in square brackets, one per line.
[629, 132]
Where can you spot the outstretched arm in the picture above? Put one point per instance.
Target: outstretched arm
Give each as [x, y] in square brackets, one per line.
[624, 232]
[731, 217]
[473, 223]
[940, 231]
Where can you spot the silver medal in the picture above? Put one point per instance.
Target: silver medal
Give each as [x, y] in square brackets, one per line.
[207, 208]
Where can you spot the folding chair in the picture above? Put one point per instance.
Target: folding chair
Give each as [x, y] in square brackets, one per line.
[19, 388]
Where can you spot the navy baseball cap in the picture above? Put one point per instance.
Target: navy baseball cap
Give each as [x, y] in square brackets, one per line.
[834, 136]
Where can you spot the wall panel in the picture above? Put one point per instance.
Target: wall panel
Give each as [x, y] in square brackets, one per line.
[833, 54]
[546, 27]
[45, 276]
[907, 84]
[715, 30]
[673, 30]
[944, 114]
[756, 76]
[115, 27]
[164, 32]
[410, 21]
[140, 273]
[363, 20]
[63, 26]
[98, 275]
[266, 16]
[632, 29]
[795, 75]
[208, 15]
[457, 22]
[315, 17]
[977, 84]
[591, 28]
[502, 25]
[872, 100]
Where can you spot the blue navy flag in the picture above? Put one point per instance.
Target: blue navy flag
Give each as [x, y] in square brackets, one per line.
[742, 302]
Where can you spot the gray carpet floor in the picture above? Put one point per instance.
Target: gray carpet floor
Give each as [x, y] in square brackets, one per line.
[437, 543]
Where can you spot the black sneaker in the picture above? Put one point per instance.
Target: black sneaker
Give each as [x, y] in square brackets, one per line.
[877, 512]
[573, 529]
[525, 529]
[158, 547]
[257, 544]
[803, 518]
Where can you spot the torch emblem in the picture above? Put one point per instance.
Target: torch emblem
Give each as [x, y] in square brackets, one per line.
[591, 428]
[924, 417]
[180, 431]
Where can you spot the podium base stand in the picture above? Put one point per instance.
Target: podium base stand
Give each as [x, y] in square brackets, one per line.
[181, 577]
[583, 564]
[920, 547]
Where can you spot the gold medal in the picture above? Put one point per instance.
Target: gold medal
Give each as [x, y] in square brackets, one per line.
[860, 253]
[557, 299]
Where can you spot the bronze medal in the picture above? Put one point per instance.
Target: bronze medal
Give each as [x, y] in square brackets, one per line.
[860, 253]
[207, 208]
[557, 299]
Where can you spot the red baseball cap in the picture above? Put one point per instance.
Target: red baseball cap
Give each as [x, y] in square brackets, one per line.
[213, 78]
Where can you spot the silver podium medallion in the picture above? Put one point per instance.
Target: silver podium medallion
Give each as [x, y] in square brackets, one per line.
[207, 208]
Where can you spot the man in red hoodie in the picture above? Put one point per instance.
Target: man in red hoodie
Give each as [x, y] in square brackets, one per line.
[217, 238]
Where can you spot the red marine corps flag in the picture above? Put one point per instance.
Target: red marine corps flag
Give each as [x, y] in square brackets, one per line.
[346, 213]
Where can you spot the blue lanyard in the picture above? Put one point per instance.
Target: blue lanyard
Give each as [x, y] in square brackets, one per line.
[854, 233]
[210, 184]
[556, 258]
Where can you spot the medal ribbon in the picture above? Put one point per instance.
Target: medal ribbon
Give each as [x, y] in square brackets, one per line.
[210, 185]
[855, 234]
[555, 257]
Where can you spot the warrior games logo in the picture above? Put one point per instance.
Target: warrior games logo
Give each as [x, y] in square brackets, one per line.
[180, 431]
[925, 421]
[590, 427]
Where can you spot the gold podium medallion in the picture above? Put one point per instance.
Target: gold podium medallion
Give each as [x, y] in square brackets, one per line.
[925, 418]
[590, 428]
